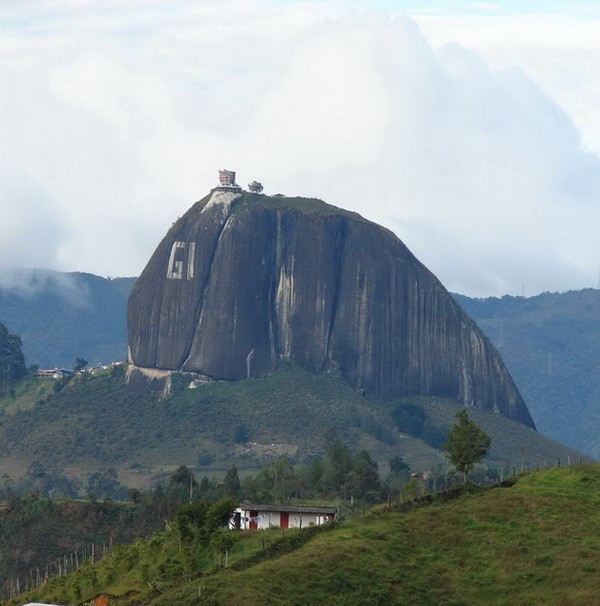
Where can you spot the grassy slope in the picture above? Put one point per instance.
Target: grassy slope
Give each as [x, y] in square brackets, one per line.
[537, 542]
[97, 423]
[36, 532]
[25, 394]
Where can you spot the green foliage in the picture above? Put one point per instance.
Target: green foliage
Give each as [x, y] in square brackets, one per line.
[413, 420]
[101, 424]
[191, 517]
[467, 444]
[535, 542]
[12, 361]
[255, 187]
[60, 384]
[240, 434]
[398, 466]
[35, 532]
[337, 463]
[80, 364]
[205, 458]
[494, 548]
[399, 475]
[183, 476]
[105, 485]
[363, 480]
[46, 482]
[231, 484]
[179, 382]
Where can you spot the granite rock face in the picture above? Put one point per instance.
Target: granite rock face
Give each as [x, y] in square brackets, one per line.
[242, 281]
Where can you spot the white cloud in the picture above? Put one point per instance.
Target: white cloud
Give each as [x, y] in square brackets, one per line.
[558, 51]
[118, 116]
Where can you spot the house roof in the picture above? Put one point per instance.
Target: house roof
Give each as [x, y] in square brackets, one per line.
[288, 508]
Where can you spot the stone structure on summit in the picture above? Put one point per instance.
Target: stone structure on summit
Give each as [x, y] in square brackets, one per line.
[227, 181]
[243, 281]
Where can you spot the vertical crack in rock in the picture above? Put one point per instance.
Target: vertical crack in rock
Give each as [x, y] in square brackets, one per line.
[215, 199]
[339, 252]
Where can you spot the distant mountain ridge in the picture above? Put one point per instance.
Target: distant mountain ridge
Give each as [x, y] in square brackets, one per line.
[551, 345]
[60, 316]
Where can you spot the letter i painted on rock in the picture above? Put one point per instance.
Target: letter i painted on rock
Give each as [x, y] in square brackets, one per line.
[191, 257]
[175, 266]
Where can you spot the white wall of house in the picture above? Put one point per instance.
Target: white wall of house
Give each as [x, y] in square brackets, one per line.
[272, 519]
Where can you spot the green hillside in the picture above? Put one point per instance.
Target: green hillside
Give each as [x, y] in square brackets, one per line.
[35, 533]
[551, 346]
[534, 542]
[94, 422]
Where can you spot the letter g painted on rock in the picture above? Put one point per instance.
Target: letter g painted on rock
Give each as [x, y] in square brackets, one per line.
[175, 268]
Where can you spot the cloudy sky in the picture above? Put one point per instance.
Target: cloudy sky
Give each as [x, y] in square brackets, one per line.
[471, 129]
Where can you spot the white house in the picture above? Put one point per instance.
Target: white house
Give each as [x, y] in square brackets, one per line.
[258, 517]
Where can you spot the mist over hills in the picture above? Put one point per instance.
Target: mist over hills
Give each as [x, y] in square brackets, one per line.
[60, 316]
[550, 342]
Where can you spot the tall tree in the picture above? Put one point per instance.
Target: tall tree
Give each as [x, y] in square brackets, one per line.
[363, 481]
[80, 364]
[467, 444]
[12, 361]
[232, 489]
[338, 462]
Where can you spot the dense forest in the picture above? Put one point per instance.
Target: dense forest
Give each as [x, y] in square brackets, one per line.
[12, 361]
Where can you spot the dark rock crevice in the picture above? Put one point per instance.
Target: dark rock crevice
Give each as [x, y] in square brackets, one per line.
[202, 298]
[339, 251]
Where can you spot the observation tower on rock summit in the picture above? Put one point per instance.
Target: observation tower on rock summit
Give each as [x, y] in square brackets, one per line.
[227, 181]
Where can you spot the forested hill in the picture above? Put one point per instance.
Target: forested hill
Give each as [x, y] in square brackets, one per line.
[61, 316]
[551, 346]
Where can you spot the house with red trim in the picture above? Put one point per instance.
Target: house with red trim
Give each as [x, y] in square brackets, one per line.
[258, 517]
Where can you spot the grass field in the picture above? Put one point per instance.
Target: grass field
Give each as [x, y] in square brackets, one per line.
[536, 542]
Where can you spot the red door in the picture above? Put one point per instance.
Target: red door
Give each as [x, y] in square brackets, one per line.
[285, 519]
[253, 520]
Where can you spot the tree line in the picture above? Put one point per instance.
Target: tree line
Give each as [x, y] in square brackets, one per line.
[12, 361]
